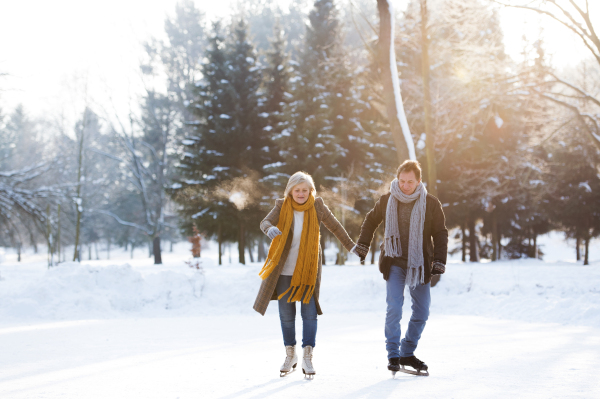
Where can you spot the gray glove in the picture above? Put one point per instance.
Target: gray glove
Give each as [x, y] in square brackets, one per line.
[273, 232]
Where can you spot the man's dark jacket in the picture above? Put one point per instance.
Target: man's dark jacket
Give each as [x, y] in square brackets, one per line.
[435, 234]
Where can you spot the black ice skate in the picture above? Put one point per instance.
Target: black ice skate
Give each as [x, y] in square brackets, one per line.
[394, 365]
[419, 368]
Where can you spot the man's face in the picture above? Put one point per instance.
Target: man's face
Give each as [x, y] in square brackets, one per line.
[407, 181]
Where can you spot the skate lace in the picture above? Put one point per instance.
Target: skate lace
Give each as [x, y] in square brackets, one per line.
[288, 361]
[308, 359]
[289, 357]
[308, 362]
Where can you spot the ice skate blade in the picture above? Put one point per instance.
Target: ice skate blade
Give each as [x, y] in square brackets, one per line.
[420, 373]
[284, 373]
[308, 376]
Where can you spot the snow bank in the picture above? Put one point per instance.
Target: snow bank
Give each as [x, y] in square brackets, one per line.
[526, 290]
[72, 290]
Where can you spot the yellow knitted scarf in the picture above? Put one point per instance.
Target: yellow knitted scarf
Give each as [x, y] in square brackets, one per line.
[305, 273]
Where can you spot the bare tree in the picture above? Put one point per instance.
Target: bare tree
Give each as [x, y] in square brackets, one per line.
[22, 198]
[81, 136]
[147, 144]
[575, 17]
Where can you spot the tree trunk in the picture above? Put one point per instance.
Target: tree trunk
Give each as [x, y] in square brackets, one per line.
[108, 248]
[156, 250]
[131, 249]
[79, 200]
[220, 240]
[33, 242]
[171, 250]
[473, 256]
[535, 250]
[18, 252]
[96, 249]
[429, 139]
[89, 252]
[499, 246]
[340, 258]
[58, 235]
[464, 241]
[261, 250]
[495, 241]
[249, 246]
[49, 236]
[577, 246]
[386, 54]
[586, 259]
[242, 244]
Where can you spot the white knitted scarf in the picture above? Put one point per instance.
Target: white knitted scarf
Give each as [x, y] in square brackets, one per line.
[392, 245]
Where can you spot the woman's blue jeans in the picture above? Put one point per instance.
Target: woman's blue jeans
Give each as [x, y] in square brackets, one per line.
[421, 300]
[287, 316]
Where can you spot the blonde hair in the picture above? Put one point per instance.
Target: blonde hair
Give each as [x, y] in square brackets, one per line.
[299, 178]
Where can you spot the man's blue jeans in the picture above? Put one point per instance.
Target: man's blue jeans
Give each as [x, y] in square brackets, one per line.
[287, 316]
[421, 300]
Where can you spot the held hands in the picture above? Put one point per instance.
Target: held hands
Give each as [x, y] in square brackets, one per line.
[273, 232]
[361, 251]
[438, 268]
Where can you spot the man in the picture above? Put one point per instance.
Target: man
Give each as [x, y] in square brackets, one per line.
[412, 219]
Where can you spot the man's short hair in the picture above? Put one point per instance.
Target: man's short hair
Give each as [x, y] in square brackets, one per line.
[408, 166]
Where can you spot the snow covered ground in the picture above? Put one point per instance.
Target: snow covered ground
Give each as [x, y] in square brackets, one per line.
[125, 328]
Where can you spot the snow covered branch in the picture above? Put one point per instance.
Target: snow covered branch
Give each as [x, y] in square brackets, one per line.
[593, 132]
[121, 221]
[582, 26]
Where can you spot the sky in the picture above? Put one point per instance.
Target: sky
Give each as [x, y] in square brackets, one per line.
[63, 54]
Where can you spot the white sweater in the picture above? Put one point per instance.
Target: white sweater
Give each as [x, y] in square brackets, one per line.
[290, 262]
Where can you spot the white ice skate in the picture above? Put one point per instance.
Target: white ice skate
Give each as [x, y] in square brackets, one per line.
[307, 366]
[291, 360]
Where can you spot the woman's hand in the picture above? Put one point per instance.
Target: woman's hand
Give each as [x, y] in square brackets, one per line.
[273, 232]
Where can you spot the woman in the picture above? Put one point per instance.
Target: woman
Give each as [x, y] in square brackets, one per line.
[292, 271]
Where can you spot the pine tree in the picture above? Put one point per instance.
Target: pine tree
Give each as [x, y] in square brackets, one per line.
[253, 142]
[199, 169]
[276, 97]
[574, 183]
[21, 141]
[227, 148]
[307, 140]
[277, 76]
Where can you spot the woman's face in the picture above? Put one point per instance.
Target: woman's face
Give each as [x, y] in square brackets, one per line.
[301, 192]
